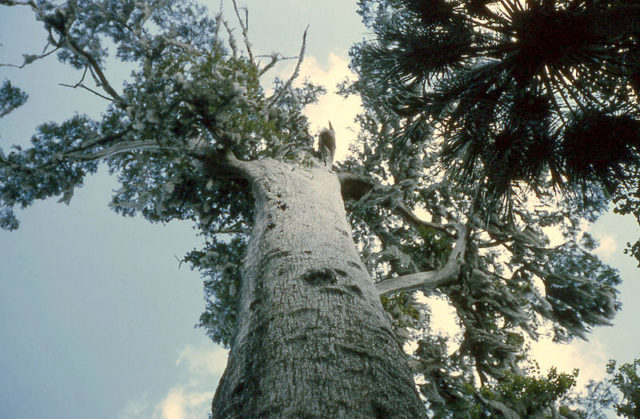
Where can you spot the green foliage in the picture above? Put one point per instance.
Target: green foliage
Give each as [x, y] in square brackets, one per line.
[406, 314]
[220, 263]
[627, 380]
[514, 284]
[515, 395]
[190, 99]
[517, 92]
[532, 395]
[11, 98]
[41, 171]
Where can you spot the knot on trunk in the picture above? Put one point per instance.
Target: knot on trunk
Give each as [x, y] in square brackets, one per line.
[324, 276]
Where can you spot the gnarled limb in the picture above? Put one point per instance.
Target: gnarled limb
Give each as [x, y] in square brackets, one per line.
[430, 279]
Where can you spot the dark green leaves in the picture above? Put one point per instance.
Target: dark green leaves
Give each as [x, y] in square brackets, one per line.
[42, 171]
[11, 98]
[507, 85]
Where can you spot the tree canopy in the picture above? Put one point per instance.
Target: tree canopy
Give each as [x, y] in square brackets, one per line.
[463, 101]
[519, 94]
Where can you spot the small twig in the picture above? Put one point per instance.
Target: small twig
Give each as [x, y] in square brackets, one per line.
[110, 99]
[275, 58]
[95, 69]
[33, 59]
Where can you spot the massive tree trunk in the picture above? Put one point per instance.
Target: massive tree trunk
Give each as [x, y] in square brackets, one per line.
[311, 339]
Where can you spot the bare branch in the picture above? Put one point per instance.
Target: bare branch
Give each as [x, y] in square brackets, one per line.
[232, 39]
[296, 72]
[17, 3]
[95, 69]
[245, 29]
[430, 279]
[275, 58]
[218, 18]
[75, 86]
[28, 59]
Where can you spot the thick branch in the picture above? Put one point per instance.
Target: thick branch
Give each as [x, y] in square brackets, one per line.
[414, 221]
[430, 279]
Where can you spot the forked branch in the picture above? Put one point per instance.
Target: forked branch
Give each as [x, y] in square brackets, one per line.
[244, 25]
[296, 72]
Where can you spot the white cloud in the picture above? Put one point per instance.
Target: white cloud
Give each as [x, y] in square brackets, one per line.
[137, 409]
[331, 107]
[608, 246]
[188, 399]
[444, 320]
[589, 357]
[203, 360]
[184, 403]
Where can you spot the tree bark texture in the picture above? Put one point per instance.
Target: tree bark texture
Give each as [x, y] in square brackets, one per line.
[312, 339]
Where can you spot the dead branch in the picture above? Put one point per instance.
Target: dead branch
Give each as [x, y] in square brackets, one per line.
[296, 72]
[232, 39]
[245, 29]
[31, 58]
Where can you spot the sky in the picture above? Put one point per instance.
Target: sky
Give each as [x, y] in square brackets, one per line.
[96, 313]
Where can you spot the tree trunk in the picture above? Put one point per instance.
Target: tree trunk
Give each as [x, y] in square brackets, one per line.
[312, 338]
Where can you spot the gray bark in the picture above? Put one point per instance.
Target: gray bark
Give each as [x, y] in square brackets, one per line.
[312, 339]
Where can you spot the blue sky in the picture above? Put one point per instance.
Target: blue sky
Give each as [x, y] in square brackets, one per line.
[97, 316]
